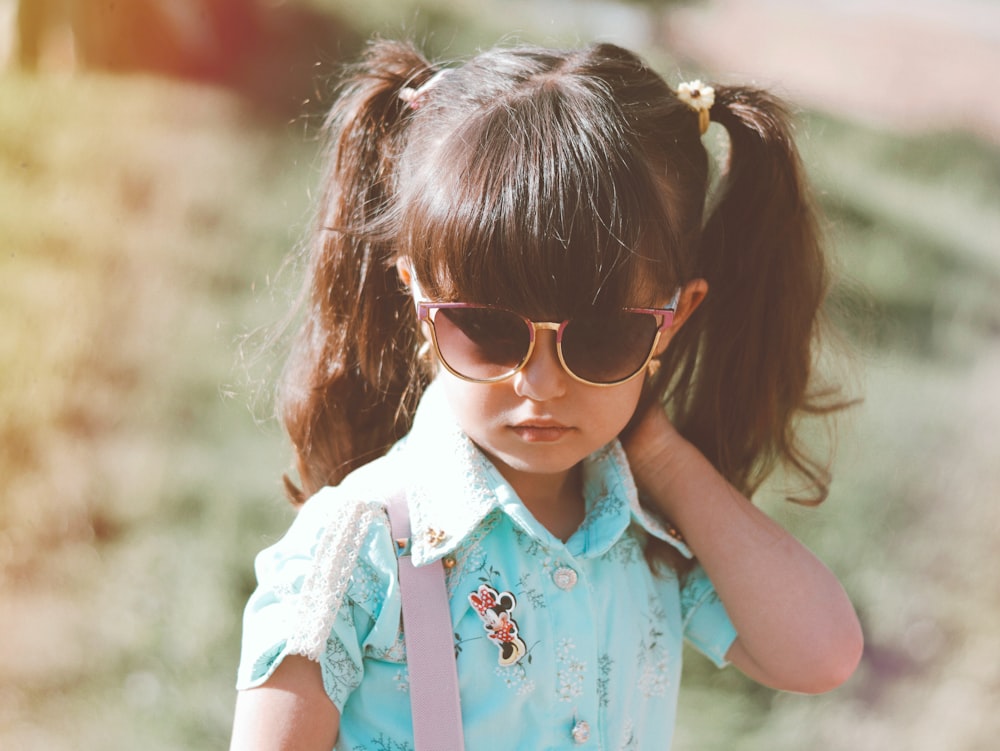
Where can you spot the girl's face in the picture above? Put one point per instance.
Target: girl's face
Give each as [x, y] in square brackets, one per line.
[540, 423]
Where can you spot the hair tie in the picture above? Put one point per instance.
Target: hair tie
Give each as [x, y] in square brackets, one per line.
[413, 96]
[700, 98]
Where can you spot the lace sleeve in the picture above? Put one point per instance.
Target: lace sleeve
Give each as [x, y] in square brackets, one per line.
[300, 606]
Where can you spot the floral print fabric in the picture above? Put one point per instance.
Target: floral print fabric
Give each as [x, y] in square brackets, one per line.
[555, 642]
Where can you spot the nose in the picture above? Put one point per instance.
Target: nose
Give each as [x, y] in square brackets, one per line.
[542, 377]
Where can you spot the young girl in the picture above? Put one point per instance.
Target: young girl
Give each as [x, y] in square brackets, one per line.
[514, 268]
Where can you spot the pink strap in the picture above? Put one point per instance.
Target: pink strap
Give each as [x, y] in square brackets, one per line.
[430, 650]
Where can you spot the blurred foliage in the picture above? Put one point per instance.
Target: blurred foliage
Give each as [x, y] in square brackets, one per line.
[916, 219]
[138, 216]
[911, 518]
[268, 52]
[144, 223]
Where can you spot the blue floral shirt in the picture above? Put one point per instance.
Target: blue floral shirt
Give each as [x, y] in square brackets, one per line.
[559, 645]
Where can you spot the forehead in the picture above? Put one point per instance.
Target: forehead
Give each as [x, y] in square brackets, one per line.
[544, 220]
[549, 302]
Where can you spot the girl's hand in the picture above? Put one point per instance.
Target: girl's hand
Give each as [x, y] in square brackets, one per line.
[651, 446]
[797, 630]
[658, 456]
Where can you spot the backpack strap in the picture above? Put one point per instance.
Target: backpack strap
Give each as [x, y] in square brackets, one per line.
[430, 649]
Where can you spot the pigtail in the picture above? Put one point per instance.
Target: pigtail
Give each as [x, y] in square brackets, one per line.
[352, 379]
[755, 332]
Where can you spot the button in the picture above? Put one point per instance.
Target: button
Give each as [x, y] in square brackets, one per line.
[581, 732]
[564, 577]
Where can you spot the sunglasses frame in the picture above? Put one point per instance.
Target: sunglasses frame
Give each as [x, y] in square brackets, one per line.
[424, 309]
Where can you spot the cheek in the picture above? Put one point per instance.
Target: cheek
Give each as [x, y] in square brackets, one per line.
[602, 412]
[471, 403]
[614, 407]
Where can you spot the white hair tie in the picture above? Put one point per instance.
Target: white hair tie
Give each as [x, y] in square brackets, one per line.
[700, 99]
[413, 96]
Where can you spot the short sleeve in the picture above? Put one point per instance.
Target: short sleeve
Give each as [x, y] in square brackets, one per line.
[707, 626]
[315, 596]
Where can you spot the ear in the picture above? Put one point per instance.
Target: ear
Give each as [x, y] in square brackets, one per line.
[690, 298]
[405, 270]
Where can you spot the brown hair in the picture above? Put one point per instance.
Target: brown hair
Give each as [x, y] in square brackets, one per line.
[550, 181]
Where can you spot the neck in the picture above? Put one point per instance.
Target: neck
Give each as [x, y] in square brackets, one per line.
[555, 500]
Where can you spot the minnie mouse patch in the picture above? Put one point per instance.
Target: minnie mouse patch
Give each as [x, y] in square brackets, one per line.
[495, 609]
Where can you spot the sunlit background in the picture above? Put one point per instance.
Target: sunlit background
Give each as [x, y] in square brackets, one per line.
[156, 163]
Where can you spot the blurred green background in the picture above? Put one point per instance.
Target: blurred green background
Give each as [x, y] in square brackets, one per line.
[157, 159]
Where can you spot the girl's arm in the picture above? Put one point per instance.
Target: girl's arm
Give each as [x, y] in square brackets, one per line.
[797, 630]
[291, 711]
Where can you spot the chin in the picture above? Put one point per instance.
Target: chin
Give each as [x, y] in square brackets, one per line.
[536, 460]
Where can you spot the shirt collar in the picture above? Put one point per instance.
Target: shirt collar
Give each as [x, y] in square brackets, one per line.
[453, 487]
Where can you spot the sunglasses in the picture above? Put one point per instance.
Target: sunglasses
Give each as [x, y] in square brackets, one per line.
[486, 344]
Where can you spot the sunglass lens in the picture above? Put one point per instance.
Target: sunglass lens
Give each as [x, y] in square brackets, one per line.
[608, 347]
[481, 343]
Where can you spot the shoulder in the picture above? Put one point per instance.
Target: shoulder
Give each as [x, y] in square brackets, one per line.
[333, 525]
[348, 511]
[337, 551]
[340, 523]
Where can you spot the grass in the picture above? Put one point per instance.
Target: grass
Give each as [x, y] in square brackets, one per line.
[143, 223]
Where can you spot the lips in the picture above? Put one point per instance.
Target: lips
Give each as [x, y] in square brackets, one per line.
[540, 431]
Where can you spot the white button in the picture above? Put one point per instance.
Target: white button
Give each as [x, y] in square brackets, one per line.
[564, 577]
[581, 732]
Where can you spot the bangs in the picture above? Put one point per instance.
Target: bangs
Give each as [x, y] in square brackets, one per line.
[541, 203]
